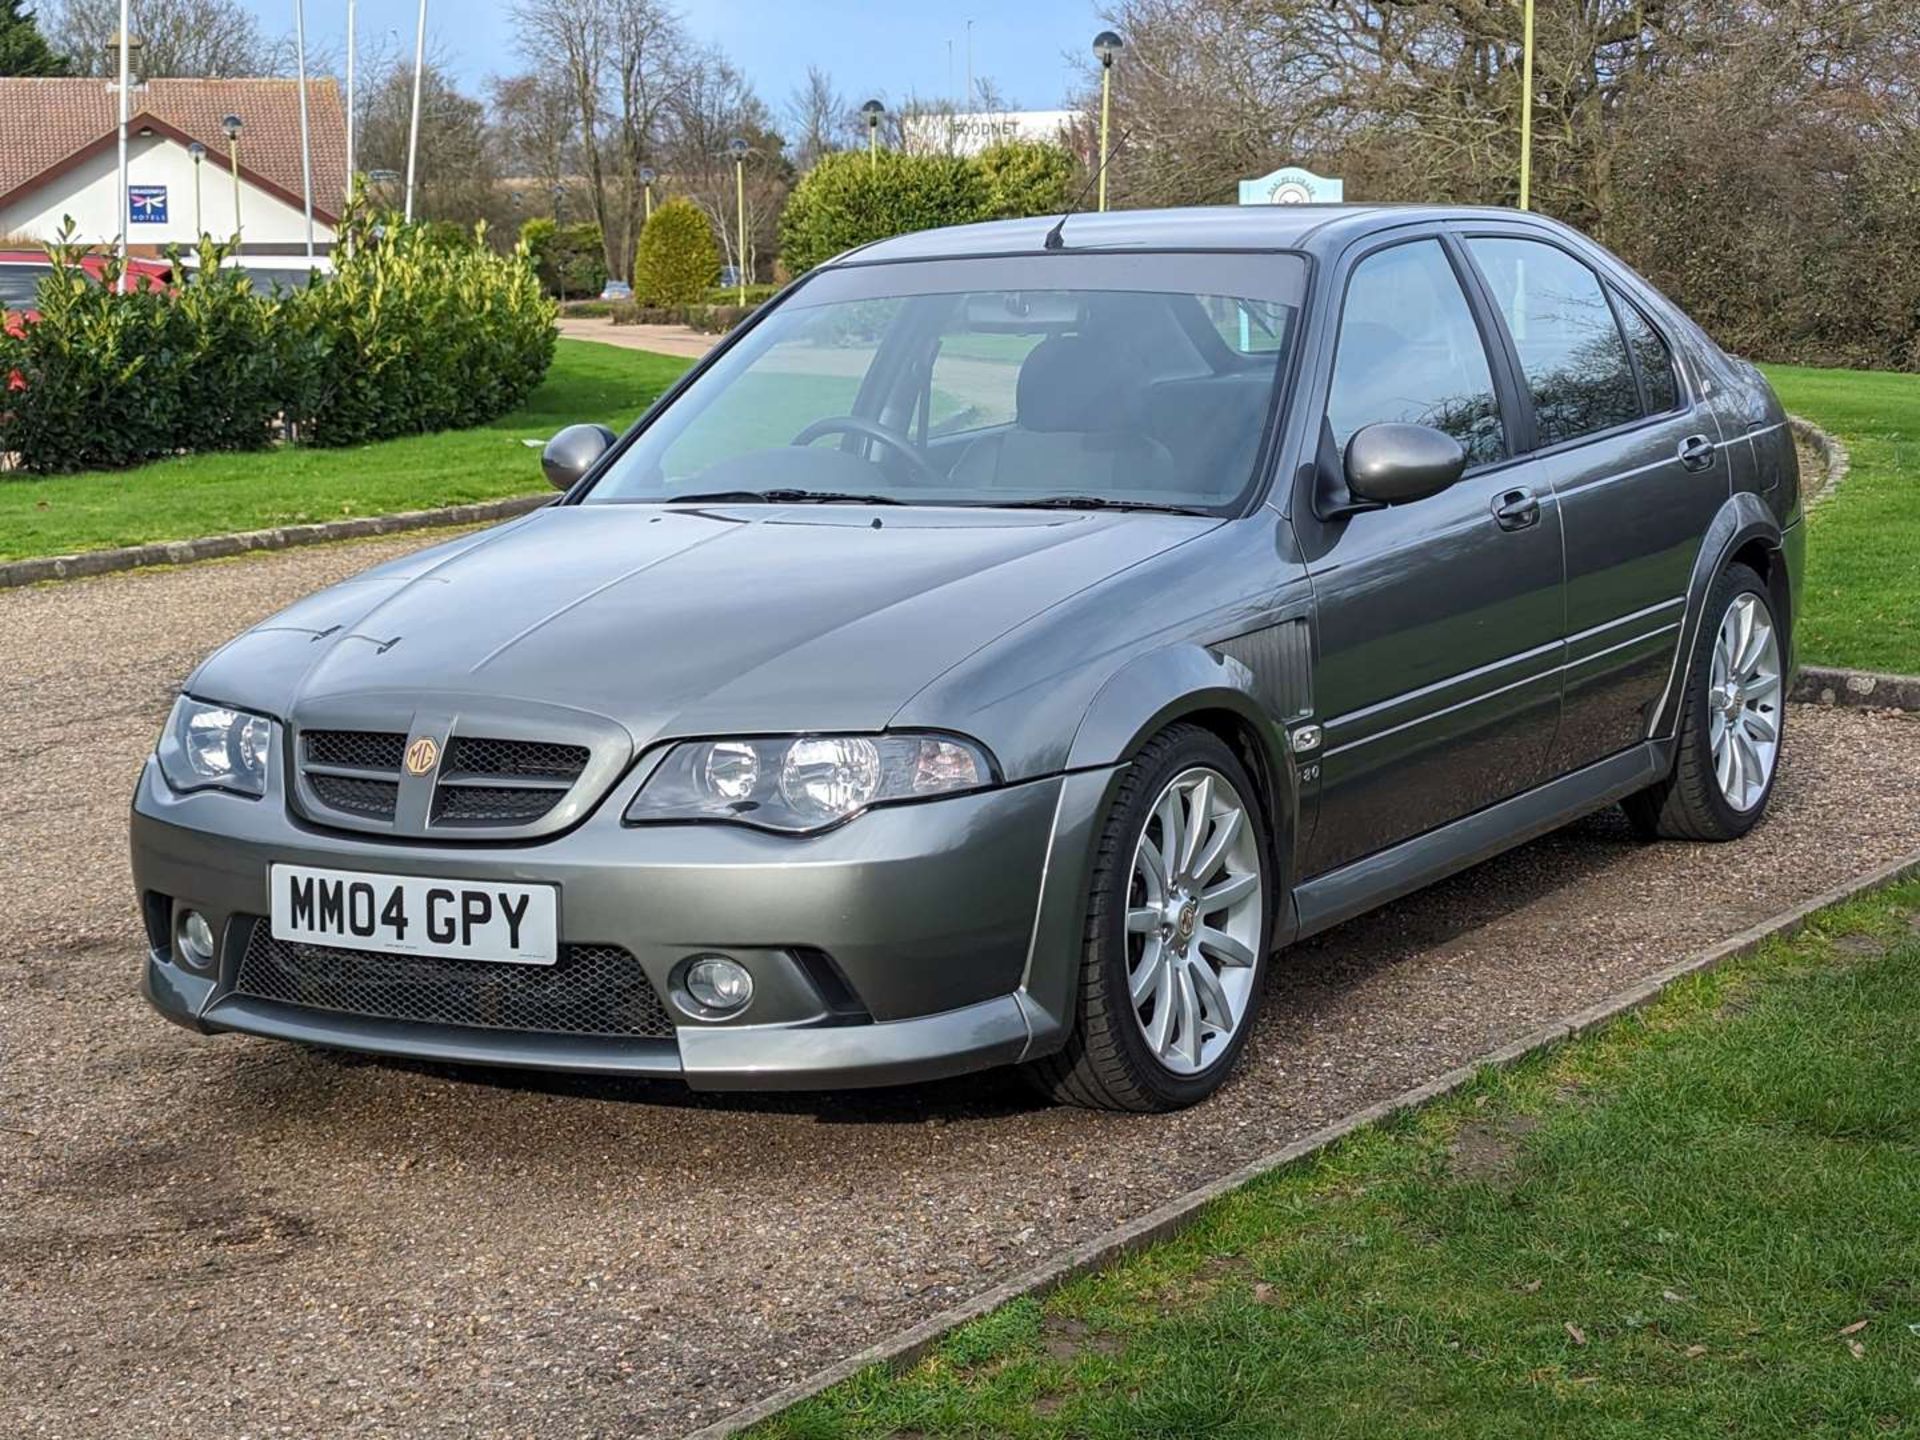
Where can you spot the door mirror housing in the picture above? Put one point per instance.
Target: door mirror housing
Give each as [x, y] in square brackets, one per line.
[1392, 464]
[573, 452]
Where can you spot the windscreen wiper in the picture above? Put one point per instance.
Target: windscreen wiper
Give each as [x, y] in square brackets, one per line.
[1095, 502]
[781, 497]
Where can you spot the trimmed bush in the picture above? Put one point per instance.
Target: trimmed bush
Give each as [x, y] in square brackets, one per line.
[849, 199]
[571, 259]
[1026, 177]
[678, 259]
[109, 379]
[708, 319]
[409, 334]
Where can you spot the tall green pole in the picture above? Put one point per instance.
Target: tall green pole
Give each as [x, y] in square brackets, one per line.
[1526, 107]
[233, 160]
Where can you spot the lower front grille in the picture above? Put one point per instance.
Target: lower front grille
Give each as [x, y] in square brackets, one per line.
[593, 990]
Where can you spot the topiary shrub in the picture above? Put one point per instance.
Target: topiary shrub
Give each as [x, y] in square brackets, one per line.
[678, 260]
[852, 198]
[1026, 177]
[570, 259]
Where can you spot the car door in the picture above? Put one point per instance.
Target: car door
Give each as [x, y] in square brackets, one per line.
[1439, 622]
[1636, 464]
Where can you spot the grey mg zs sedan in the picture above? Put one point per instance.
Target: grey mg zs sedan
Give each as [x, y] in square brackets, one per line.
[993, 654]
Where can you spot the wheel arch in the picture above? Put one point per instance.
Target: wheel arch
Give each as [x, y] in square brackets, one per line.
[1197, 686]
[1743, 531]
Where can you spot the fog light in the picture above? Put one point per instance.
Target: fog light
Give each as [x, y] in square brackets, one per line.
[196, 940]
[719, 984]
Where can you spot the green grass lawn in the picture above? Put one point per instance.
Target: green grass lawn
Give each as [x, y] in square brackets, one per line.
[213, 494]
[1862, 601]
[1702, 1220]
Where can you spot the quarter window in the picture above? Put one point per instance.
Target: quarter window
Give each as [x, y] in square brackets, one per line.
[1409, 351]
[1651, 354]
[1570, 350]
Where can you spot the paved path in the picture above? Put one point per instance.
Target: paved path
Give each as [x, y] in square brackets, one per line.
[661, 339]
[227, 1237]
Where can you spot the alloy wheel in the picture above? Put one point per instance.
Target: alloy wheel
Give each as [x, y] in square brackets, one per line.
[1193, 920]
[1743, 702]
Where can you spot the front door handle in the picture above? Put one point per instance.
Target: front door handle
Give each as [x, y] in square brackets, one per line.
[1696, 452]
[1516, 509]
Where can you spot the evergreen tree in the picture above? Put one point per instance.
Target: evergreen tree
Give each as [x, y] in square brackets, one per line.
[23, 49]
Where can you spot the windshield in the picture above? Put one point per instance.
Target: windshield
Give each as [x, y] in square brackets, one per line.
[1140, 380]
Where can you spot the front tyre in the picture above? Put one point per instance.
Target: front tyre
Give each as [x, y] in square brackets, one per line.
[1731, 726]
[1178, 924]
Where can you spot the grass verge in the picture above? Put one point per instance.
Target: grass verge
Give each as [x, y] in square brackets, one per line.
[1702, 1219]
[215, 494]
[1861, 606]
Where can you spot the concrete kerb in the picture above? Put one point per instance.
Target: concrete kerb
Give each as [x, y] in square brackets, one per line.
[15, 573]
[903, 1350]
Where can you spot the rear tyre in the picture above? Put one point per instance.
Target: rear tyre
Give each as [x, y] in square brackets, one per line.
[1178, 924]
[1731, 724]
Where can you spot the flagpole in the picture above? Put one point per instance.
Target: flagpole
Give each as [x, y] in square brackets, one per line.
[413, 132]
[350, 10]
[126, 195]
[1526, 107]
[306, 142]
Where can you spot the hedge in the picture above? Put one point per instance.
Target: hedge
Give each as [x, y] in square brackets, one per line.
[852, 198]
[409, 334]
[707, 319]
[571, 259]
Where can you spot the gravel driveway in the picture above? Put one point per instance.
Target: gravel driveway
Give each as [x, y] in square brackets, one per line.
[226, 1237]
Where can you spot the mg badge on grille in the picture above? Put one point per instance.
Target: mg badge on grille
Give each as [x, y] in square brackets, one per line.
[422, 755]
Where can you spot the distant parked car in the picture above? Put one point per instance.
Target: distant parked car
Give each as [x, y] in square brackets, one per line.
[21, 272]
[992, 653]
[617, 290]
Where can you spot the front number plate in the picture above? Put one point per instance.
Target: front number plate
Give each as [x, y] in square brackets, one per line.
[415, 915]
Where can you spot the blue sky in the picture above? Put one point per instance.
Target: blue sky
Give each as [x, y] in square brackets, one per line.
[891, 48]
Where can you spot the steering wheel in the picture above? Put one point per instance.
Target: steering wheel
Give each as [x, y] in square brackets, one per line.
[872, 430]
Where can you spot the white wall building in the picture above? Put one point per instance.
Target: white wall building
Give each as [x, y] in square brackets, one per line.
[943, 133]
[59, 158]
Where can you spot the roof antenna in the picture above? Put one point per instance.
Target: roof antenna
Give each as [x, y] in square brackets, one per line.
[1056, 237]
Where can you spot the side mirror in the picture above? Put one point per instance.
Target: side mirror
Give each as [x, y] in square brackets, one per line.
[573, 452]
[1391, 464]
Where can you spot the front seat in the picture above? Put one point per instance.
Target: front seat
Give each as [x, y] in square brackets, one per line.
[1073, 408]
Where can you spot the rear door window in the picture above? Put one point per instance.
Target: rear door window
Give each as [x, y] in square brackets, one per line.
[1409, 351]
[1657, 379]
[1571, 352]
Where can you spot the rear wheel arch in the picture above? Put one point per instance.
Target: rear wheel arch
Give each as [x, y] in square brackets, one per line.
[1744, 530]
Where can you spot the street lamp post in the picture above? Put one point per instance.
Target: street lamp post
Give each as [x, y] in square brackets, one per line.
[199, 154]
[1526, 108]
[413, 126]
[559, 243]
[232, 126]
[873, 110]
[646, 178]
[126, 44]
[1106, 45]
[738, 149]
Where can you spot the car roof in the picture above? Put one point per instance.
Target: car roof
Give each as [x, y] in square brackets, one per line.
[1313, 228]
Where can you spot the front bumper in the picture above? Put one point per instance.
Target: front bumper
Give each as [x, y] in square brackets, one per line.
[954, 925]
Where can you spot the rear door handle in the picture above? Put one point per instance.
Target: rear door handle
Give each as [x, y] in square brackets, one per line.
[1516, 509]
[1696, 452]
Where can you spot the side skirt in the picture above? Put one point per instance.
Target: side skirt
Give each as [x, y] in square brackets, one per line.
[1363, 884]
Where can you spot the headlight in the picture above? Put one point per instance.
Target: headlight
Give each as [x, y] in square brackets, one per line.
[215, 747]
[806, 782]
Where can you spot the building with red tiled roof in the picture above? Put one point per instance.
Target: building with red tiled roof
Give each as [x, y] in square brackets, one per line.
[59, 158]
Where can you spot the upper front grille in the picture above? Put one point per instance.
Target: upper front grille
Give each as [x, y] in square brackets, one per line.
[480, 781]
[471, 755]
[592, 990]
[355, 749]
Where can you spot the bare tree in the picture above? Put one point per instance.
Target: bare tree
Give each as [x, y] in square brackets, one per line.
[621, 64]
[180, 37]
[459, 166]
[716, 104]
[818, 118]
[535, 125]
